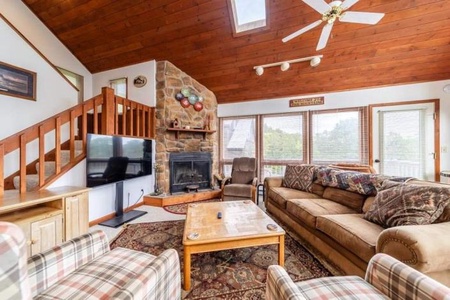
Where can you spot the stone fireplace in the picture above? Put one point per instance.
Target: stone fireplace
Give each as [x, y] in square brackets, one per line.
[169, 143]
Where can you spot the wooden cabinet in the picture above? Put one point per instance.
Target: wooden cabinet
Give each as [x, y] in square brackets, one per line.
[47, 217]
[46, 233]
[77, 215]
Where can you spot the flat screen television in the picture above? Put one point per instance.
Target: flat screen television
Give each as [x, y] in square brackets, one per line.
[112, 159]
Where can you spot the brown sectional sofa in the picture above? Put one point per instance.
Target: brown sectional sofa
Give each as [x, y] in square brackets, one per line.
[331, 220]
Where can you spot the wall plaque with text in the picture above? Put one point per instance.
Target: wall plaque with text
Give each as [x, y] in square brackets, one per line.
[306, 101]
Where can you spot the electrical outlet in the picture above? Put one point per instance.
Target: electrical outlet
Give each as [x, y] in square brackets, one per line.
[444, 149]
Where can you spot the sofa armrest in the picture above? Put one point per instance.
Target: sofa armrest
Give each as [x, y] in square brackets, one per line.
[161, 279]
[279, 286]
[424, 247]
[399, 281]
[274, 181]
[48, 267]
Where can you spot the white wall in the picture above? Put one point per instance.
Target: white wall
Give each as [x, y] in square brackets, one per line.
[145, 95]
[362, 97]
[41, 37]
[53, 93]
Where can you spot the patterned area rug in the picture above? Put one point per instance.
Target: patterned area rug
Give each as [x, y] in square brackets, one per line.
[181, 209]
[231, 274]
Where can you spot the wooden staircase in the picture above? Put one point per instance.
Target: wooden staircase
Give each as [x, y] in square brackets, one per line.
[59, 142]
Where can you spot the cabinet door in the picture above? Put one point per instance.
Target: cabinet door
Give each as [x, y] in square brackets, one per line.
[77, 215]
[46, 233]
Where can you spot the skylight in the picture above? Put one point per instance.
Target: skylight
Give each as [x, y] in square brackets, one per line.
[248, 14]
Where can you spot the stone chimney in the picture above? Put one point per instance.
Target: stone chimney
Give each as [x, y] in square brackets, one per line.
[169, 81]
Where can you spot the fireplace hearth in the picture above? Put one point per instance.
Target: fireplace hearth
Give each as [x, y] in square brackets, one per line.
[189, 168]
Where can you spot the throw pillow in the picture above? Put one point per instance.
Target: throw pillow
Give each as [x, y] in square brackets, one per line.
[299, 177]
[398, 204]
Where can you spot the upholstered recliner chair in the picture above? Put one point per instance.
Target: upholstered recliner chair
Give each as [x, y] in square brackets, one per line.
[85, 268]
[242, 183]
[386, 278]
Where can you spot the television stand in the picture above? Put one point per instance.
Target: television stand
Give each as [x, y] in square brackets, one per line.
[122, 217]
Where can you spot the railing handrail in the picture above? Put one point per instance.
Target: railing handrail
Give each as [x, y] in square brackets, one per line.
[137, 119]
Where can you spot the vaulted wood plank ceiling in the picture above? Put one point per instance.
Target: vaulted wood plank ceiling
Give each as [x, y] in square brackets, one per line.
[410, 44]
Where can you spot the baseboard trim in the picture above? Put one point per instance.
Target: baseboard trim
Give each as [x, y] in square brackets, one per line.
[112, 215]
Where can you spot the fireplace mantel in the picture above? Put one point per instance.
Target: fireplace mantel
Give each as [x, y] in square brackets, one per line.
[178, 130]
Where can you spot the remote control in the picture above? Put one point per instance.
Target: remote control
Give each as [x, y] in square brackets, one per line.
[219, 215]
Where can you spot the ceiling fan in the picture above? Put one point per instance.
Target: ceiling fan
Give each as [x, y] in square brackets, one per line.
[331, 12]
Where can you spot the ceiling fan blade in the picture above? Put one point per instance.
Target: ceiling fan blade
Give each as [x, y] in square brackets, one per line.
[319, 5]
[324, 36]
[348, 3]
[361, 17]
[303, 30]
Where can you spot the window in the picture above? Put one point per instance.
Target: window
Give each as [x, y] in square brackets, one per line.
[248, 15]
[76, 80]
[339, 136]
[120, 86]
[238, 139]
[283, 142]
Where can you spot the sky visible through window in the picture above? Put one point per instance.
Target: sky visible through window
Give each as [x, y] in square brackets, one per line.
[250, 11]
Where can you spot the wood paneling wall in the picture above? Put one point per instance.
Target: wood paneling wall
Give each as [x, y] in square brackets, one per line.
[410, 44]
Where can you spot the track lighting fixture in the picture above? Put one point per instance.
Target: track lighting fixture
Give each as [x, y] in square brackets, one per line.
[314, 61]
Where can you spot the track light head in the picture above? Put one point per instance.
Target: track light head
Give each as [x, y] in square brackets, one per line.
[315, 61]
[285, 66]
[259, 71]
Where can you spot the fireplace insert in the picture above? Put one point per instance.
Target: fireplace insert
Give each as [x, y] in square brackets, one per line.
[189, 168]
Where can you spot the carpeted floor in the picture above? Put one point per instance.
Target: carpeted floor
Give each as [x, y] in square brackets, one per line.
[181, 209]
[232, 274]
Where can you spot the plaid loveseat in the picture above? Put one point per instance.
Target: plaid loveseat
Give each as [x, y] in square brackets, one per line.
[386, 278]
[85, 268]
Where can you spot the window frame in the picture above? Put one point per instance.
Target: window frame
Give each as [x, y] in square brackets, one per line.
[261, 159]
[363, 134]
[235, 27]
[222, 160]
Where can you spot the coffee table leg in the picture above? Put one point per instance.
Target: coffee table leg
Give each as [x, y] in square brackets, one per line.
[281, 251]
[187, 268]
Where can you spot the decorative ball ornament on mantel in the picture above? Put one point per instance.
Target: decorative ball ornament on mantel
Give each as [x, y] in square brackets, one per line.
[187, 98]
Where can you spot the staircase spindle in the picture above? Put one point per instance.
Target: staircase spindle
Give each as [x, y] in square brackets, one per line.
[41, 155]
[72, 135]
[23, 164]
[58, 145]
[2, 171]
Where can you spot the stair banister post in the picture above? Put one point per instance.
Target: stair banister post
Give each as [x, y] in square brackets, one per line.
[2, 166]
[108, 111]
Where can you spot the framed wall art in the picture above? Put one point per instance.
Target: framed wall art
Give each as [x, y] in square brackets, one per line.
[17, 82]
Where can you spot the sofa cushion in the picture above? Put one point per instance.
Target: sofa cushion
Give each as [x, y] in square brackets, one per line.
[280, 195]
[307, 210]
[238, 190]
[352, 232]
[361, 183]
[398, 204]
[337, 287]
[299, 177]
[100, 278]
[350, 199]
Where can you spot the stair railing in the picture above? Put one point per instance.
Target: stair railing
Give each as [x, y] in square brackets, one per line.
[103, 114]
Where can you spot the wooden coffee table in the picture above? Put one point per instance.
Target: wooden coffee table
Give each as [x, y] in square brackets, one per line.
[243, 224]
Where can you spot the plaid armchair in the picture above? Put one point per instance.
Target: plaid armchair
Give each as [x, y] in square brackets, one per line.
[85, 268]
[386, 278]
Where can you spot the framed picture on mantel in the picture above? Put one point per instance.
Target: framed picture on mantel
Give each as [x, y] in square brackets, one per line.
[17, 82]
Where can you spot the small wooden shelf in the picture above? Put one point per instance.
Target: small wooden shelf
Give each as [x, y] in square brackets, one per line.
[178, 130]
